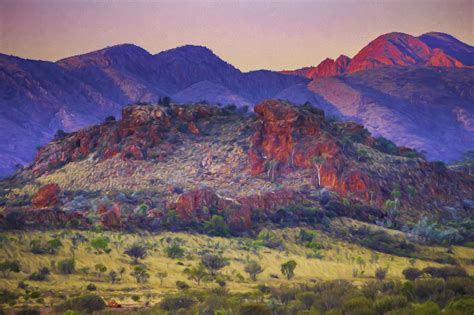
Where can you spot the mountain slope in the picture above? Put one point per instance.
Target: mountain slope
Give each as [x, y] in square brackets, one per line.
[430, 109]
[451, 46]
[39, 97]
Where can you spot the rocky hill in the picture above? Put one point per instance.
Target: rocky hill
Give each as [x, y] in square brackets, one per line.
[179, 165]
[38, 98]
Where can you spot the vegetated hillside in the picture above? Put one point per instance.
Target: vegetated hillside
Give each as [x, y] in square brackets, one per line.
[430, 109]
[178, 166]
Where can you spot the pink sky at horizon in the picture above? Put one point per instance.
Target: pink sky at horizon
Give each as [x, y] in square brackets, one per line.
[251, 35]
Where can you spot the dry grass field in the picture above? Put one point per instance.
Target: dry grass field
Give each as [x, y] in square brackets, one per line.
[338, 260]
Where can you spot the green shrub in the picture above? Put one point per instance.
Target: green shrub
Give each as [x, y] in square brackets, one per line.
[87, 303]
[359, 305]
[388, 303]
[182, 285]
[174, 251]
[8, 266]
[427, 308]
[66, 266]
[462, 306]
[445, 272]
[216, 226]
[28, 311]
[39, 275]
[175, 302]
[253, 308]
[412, 273]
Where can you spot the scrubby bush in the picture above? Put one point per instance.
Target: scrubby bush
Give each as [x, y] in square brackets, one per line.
[66, 266]
[175, 302]
[8, 266]
[216, 226]
[28, 311]
[359, 305]
[445, 272]
[381, 273]
[462, 306]
[214, 263]
[427, 308]
[253, 269]
[174, 251]
[39, 275]
[268, 239]
[288, 269]
[182, 285]
[87, 303]
[412, 273]
[137, 252]
[91, 287]
[388, 303]
[253, 308]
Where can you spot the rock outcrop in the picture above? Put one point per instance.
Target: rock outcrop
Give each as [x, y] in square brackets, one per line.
[47, 196]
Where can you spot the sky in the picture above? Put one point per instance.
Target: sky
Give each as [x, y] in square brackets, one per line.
[251, 35]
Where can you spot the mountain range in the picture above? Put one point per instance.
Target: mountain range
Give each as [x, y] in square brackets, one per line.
[416, 91]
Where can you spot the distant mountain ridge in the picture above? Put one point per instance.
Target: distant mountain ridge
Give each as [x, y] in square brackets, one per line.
[397, 49]
[40, 97]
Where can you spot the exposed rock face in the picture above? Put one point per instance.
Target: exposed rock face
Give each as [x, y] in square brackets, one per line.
[47, 196]
[137, 136]
[288, 137]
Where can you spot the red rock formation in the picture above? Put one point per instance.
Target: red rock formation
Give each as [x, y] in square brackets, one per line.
[141, 129]
[288, 137]
[47, 196]
[190, 206]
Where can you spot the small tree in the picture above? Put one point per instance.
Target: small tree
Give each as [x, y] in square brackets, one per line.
[288, 269]
[100, 269]
[54, 245]
[213, 263]
[253, 269]
[318, 162]
[140, 273]
[113, 276]
[162, 275]
[381, 273]
[100, 243]
[196, 273]
[136, 252]
[9, 266]
[174, 251]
